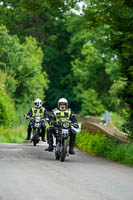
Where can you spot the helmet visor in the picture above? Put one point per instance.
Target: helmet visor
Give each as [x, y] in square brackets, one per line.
[37, 104]
[62, 106]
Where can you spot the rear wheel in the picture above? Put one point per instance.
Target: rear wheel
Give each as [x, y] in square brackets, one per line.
[64, 151]
[34, 142]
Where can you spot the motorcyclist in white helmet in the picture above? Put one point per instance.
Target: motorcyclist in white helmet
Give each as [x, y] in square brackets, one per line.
[61, 113]
[37, 110]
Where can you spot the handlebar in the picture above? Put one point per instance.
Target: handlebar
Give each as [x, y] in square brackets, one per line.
[32, 118]
[60, 123]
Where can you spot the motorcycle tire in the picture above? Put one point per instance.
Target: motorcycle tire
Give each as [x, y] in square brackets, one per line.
[34, 143]
[64, 151]
[35, 140]
[57, 155]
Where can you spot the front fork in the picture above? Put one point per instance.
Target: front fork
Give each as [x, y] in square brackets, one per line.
[59, 145]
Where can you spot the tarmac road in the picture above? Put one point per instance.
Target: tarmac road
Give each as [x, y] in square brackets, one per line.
[30, 173]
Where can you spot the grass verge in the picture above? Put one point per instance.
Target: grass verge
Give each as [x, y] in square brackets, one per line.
[14, 135]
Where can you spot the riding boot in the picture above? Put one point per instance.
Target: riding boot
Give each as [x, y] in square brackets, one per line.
[50, 147]
[28, 133]
[72, 143]
[43, 137]
[43, 134]
[50, 140]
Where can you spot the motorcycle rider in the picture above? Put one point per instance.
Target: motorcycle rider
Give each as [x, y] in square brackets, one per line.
[37, 111]
[62, 113]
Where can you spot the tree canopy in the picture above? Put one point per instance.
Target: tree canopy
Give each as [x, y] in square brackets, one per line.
[85, 57]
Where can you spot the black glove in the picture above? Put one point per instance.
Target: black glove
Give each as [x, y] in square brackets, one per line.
[76, 126]
[27, 117]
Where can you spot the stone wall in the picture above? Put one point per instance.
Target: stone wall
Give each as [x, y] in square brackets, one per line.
[94, 128]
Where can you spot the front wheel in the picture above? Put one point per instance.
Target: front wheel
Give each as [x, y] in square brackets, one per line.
[35, 137]
[57, 155]
[64, 151]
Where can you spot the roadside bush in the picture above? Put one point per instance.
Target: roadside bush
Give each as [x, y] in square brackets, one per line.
[122, 153]
[119, 153]
[97, 144]
[100, 145]
[129, 155]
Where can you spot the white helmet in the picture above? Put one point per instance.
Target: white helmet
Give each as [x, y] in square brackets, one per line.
[62, 101]
[38, 103]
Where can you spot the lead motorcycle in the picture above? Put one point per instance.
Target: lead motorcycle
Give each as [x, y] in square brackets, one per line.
[62, 134]
[36, 125]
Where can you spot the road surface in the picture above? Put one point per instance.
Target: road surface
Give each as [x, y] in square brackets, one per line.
[30, 173]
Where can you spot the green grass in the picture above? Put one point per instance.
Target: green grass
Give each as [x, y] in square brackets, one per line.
[100, 145]
[15, 135]
[12, 135]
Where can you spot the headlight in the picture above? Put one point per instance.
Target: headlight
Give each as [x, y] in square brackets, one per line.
[66, 124]
[37, 119]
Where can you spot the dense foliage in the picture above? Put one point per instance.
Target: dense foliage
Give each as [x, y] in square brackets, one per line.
[21, 77]
[22, 64]
[100, 145]
[87, 56]
[8, 115]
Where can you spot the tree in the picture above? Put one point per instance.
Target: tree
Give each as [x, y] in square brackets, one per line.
[8, 116]
[91, 105]
[47, 24]
[22, 64]
[95, 65]
[119, 16]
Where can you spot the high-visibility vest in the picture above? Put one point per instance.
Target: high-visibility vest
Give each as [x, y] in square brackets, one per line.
[38, 112]
[62, 115]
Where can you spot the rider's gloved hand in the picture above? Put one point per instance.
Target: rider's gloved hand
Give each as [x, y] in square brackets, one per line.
[47, 120]
[27, 117]
[76, 125]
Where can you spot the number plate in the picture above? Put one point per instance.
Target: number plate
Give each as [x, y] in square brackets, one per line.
[66, 131]
[36, 125]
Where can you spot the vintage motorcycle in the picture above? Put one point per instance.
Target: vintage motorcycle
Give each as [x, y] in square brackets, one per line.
[62, 134]
[36, 125]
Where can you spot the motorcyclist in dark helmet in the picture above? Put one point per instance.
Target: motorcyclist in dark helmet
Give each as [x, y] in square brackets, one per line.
[61, 113]
[37, 111]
